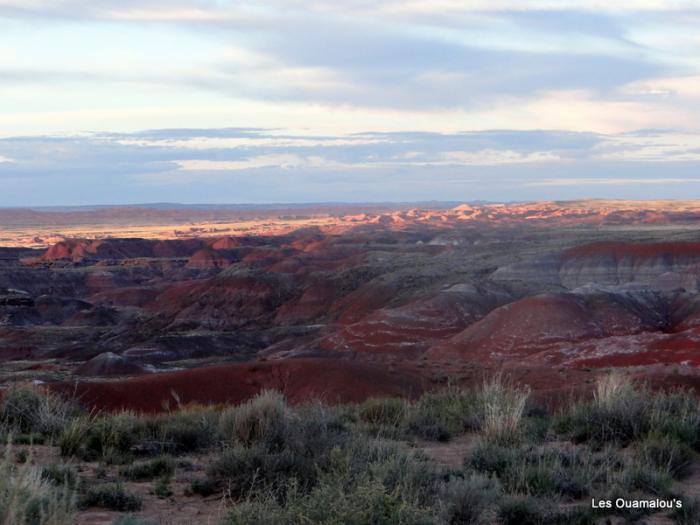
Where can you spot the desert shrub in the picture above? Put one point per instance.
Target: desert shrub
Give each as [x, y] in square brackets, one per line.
[93, 437]
[20, 405]
[522, 510]
[566, 473]
[619, 412]
[441, 414]
[186, 431]
[547, 471]
[665, 453]
[112, 496]
[622, 413]
[526, 510]
[301, 451]
[411, 474]
[468, 500]
[71, 441]
[319, 449]
[163, 466]
[366, 502]
[676, 414]
[315, 431]
[688, 514]
[491, 458]
[561, 471]
[639, 475]
[161, 488]
[204, 486]
[242, 469]
[27, 498]
[575, 515]
[502, 405]
[389, 411]
[22, 456]
[133, 520]
[262, 418]
[60, 474]
[30, 409]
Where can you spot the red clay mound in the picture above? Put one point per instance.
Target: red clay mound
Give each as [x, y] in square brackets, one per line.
[313, 304]
[226, 301]
[207, 258]
[416, 325]
[360, 302]
[332, 380]
[109, 364]
[534, 323]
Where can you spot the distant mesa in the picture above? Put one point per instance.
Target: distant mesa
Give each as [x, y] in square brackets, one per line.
[79, 250]
[659, 266]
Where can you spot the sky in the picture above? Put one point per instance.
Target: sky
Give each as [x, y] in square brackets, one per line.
[221, 101]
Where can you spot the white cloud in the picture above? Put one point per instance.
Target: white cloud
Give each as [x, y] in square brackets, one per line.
[687, 87]
[492, 157]
[610, 182]
[281, 161]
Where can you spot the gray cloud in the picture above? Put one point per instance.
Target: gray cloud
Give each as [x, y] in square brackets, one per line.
[498, 165]
[381, 61]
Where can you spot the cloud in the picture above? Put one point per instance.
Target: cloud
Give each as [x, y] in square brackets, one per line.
[258, 165]
[305, 99]
[307, 52]
[611, 182]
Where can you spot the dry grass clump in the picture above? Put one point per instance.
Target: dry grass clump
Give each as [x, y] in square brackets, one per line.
[26, 497]
[612, 390]
[503, 406]
[255, 419]
[383, 411]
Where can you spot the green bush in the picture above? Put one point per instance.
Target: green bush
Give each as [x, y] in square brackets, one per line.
[621, 413]
[30, 409]
[665, 453]
[242, 469]
[190, 429]
[676, 414]
[111, 496]
[133, 520]
[161, 488]
[389, 411]
[92, 438]
[468, 500]
[152, 469]
[647, 478]
[367, 502]
[441, 414]
[264, 417]
[60, 475]
[522, 510]
[618, 413]
[491, 458]
[562, 472]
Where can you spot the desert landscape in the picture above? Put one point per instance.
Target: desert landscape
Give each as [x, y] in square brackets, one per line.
[392, 324]
[300, 262]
